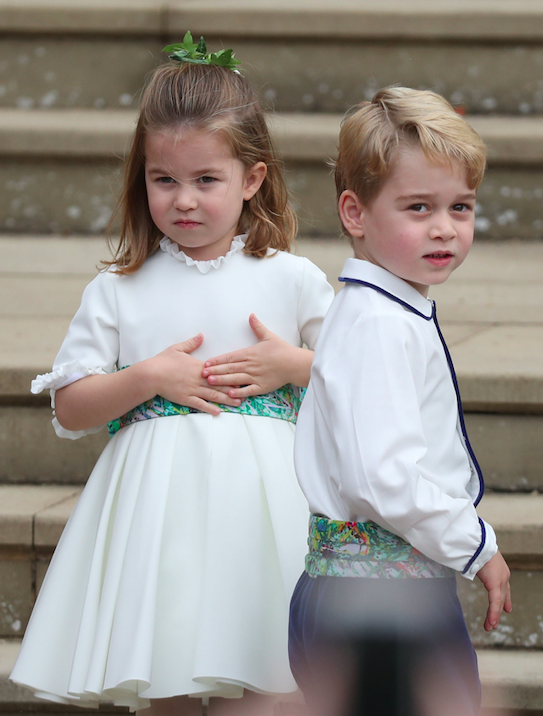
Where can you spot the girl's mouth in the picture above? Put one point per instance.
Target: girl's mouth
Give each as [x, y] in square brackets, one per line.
[187, 224]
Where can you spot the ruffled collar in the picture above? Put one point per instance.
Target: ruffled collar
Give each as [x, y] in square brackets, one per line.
[171, 248]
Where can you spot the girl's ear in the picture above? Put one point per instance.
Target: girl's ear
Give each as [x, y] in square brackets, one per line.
[254, 177]
[351, 212]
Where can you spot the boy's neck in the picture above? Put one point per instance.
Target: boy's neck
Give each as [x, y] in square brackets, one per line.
[422, 289]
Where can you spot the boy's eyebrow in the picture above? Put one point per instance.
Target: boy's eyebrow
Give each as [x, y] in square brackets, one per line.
[429, 195]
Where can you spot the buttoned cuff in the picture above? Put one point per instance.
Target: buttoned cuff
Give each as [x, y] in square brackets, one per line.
[486, 550]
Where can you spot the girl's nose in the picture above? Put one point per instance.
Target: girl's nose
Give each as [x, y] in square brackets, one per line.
[185, 198]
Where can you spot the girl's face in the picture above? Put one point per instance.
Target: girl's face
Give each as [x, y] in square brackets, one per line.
[196, 189]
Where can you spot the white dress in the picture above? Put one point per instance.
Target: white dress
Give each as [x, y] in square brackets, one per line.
[174, 573]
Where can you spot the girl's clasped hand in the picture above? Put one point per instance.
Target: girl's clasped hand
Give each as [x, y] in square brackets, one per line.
[261, 368]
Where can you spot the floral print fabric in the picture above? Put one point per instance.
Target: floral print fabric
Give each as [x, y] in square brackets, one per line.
[364, 549]
[283, 404]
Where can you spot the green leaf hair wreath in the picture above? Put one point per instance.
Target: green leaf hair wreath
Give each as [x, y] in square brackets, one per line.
[197, 54]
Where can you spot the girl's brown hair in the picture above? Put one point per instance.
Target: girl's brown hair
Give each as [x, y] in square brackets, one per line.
[215, 99]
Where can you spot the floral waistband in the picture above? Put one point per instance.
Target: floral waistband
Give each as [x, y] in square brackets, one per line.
[364, 549]
[283, 403]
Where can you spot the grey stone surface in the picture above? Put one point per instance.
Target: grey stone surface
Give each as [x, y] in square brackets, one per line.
[68, 71]
[509, 449]
[16, 595]
[512, 679]
[122, 17]
[350, 18]
[50, 521]
[19, 507]
[463, 19]
[523, 627]
[30, 451]
[56, 196]
[308, 75]
[518, 521]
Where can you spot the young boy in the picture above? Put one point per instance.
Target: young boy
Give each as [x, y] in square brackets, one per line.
[381, 449]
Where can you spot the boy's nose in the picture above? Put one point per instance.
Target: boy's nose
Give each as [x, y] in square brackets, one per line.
[442, 228]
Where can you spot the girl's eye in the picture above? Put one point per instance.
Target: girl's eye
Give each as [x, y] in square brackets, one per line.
[206, 180]
[165, 180]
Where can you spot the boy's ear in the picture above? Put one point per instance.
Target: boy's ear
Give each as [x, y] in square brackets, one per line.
[351, 212]
[254, 177]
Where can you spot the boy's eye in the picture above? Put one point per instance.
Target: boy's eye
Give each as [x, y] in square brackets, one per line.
[419, 207]
[461, 207]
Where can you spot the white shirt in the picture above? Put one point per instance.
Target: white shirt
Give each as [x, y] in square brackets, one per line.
[379, 435]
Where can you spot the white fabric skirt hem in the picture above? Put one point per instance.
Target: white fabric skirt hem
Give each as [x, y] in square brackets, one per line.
[178, 563]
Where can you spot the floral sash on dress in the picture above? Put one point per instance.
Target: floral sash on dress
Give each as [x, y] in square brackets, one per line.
[363, 549]
[283, 403]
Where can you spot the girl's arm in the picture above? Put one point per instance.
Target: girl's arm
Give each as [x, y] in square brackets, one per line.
[266, 366]
[174, 374]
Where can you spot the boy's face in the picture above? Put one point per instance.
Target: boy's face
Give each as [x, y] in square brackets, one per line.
[420, 226]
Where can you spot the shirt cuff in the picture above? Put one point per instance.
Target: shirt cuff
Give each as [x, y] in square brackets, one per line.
[486, 550]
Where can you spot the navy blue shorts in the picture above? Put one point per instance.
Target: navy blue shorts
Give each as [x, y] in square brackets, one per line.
[385, 647]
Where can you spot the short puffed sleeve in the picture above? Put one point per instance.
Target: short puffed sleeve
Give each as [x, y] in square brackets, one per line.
[91, 345]
[316, 296]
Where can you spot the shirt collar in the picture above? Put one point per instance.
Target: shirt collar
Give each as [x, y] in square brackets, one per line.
[395, 288]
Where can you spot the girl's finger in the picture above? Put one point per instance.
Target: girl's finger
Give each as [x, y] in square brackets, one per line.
[225, 358]
[216, 396]
[233, 380]
[245, 392]
[203, 406]
[259, 329]
[191, 344]
[222, 369]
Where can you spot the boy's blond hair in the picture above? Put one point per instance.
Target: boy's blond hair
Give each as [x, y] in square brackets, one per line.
[396, 116]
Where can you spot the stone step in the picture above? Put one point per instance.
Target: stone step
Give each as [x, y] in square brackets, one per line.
[312, 56]
[490, 310]
[32, 518]
[511, 680]
[60, 171]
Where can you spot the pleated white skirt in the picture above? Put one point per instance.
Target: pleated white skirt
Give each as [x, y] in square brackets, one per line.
[174, 573]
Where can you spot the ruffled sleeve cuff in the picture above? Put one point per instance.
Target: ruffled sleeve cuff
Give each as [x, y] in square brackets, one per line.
[60, 377]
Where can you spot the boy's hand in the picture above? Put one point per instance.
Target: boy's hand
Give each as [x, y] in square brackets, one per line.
[266, 366]
[178, 378]
[495, 578]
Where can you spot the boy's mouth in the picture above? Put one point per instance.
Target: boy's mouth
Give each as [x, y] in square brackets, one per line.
[439, 258]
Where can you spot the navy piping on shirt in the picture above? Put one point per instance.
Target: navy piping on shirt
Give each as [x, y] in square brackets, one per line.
[456, 390]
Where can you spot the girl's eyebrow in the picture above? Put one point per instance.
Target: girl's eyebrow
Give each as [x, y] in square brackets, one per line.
[160, 169]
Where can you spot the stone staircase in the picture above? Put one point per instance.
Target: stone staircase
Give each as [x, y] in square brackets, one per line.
[70, 71]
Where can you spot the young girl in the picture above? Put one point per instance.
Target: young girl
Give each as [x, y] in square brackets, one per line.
[174, 573]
